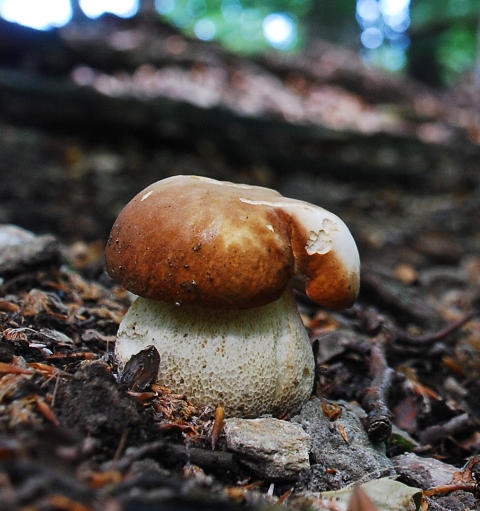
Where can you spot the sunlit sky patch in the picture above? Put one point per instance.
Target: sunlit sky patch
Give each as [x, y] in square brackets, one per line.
[280, 30]
[384, 25]
[122, 8]
[37, 14]
[205, 29]
[372, 38]
[47, 14]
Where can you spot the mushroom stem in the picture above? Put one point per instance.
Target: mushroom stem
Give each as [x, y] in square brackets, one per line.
[252, 361]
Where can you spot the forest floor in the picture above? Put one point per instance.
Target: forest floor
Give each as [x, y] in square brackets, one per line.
[72, 437]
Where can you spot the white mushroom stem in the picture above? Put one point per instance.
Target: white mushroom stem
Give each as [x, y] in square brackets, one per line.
[252, 361]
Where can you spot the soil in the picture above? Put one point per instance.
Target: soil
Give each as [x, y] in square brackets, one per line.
[74, 434]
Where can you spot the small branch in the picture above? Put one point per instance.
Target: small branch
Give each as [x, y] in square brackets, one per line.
[455, 426]
[428, 339]
[176, 455]
[379, 419]
[448, 488]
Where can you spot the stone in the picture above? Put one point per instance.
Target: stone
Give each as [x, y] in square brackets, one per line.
[22, 251]
[274, 449]
[342, 453]
[14, 235]
[423, 472]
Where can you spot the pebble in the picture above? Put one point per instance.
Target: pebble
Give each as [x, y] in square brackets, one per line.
[423, 472]
[21, 250]
[274, 449]
[14, 235]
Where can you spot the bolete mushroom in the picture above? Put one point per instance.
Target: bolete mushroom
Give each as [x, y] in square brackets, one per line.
[213, 264]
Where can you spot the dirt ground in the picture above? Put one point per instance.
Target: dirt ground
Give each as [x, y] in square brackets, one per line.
[73, 437]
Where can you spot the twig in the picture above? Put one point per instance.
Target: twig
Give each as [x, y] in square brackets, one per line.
[217, 426]
[457, 425]
[427, 339]
[379, 419]
[121, 445]
[176, 455]
[448, 488]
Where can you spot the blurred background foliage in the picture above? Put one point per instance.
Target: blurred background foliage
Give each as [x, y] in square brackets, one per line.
[444, 39]
[435, 41]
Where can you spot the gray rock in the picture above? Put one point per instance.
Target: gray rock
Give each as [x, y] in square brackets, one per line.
[423, 472]
[342, 453]
[14, 235]
[21, 251]
[455, 501]
[274, 449]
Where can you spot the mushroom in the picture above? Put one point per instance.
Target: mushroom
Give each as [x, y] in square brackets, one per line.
[214, 265]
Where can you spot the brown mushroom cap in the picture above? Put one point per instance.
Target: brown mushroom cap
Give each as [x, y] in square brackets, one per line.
[196, 241]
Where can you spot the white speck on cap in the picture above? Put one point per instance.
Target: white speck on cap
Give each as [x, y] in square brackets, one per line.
[146, 196]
